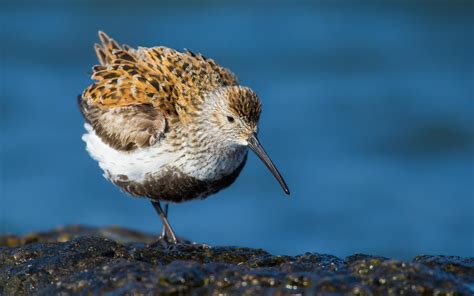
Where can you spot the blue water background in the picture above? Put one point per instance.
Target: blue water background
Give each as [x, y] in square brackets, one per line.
[368, 113]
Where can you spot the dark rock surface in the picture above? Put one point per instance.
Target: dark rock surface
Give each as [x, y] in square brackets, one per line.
[81, 260]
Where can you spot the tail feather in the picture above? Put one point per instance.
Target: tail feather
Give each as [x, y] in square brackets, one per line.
[105, 51]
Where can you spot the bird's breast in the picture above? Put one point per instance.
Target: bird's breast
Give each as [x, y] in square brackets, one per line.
[212, 164]
[191, 175]
[172, 185]
[166, 171]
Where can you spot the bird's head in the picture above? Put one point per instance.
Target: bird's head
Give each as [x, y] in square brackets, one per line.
[232, 115]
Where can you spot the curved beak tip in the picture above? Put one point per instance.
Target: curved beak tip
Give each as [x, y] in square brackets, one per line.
[256, 147]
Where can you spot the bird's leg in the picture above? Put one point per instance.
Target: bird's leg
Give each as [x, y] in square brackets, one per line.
[163, 230]
[167, 230]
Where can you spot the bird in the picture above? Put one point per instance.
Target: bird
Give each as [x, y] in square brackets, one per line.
[168, 126]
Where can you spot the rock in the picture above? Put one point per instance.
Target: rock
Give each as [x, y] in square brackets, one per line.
[113, 260]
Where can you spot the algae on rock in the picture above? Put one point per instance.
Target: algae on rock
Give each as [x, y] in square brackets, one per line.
[113, 260]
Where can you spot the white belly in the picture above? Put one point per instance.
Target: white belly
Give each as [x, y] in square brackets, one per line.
[140, 163]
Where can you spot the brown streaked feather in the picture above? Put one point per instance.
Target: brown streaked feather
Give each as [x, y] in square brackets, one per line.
[129, 76]
[227, 77]
[169, 84]
[105, 51]
[245, 103]
[126, 128]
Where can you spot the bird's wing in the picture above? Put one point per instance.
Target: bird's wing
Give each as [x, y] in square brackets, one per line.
[144, 89]
[125, 128]
[126, 105]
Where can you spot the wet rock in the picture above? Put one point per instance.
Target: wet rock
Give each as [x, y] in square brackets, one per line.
[82, 260]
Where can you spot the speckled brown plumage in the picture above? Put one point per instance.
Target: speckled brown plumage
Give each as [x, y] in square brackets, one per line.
[167, 125]
[172, 82]
[145, 125]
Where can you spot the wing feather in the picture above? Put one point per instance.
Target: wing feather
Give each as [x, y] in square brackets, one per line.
[125, 128]
[137, 91]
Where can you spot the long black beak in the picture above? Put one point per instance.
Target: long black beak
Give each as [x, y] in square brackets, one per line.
[254, 144]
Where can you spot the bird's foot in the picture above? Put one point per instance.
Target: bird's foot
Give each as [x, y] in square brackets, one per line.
[165, 241]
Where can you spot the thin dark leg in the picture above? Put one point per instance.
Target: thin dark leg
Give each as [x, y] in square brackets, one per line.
[163, 230]
[164, 219]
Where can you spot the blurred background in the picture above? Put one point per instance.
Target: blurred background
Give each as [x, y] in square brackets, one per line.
[368, 113]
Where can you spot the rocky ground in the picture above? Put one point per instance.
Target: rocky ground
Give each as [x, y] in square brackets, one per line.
[114, 261]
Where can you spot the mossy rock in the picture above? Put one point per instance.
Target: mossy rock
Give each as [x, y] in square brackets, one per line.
[112, 260]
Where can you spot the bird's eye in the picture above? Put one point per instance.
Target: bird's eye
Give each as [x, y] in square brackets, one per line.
[230, 119]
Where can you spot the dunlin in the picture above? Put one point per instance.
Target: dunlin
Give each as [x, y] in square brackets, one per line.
[168, 126]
